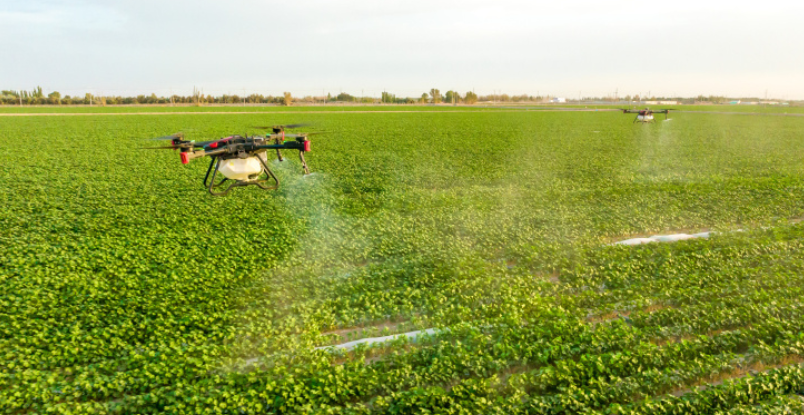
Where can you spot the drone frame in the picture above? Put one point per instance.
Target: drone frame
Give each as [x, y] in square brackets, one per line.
[645, 112]
[241, 147]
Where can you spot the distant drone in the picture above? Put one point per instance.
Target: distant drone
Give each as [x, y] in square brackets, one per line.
[645, 115]
[241, 159]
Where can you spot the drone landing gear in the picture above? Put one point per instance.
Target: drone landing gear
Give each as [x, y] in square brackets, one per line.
[209, 182]
[279, 153]
[304, 163]
[279, 157]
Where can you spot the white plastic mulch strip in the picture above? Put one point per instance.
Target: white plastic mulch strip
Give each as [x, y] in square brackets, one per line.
[663, 238]
[369, 341]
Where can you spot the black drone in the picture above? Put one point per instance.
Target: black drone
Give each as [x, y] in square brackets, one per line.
[645, 115]
[241, 159]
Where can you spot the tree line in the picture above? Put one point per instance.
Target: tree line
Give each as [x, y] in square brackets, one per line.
[37, 97]
[434, 96]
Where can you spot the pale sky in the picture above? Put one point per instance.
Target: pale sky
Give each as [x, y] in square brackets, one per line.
[563, 48]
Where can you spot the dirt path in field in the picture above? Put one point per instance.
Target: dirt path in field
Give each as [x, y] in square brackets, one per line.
[779, 114]
[59, 114]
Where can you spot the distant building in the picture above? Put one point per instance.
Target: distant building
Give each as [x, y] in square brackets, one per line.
[558, 100]
[734, 102]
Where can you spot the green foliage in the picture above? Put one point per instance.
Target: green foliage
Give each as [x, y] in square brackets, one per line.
[452, 97]
[435, 96]
[125, 288]
[388, 98]
[470, 98]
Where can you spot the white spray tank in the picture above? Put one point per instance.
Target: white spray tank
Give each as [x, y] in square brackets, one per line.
[242, 168]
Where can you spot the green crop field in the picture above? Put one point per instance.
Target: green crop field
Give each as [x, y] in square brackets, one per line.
[125, 288]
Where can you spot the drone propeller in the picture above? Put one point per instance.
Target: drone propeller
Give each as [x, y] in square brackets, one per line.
[159, 148]
[282, 127]
[169, 137]
[306, 134]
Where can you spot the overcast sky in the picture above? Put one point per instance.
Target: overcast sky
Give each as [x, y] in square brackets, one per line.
[128, 47]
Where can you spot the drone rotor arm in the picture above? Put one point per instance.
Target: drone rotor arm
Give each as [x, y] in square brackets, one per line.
[186, 156]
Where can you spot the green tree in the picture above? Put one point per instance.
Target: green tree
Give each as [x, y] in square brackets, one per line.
[436, 94]
[424, 97]
[470, 98]
[196, 96]
[54, 97]
[388, 98]
[452, 97]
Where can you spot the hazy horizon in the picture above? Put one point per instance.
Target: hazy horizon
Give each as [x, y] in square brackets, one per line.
[586, 48]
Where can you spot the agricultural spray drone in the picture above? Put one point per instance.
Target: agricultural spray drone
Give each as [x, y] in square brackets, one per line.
[241, 159]
[645, 115]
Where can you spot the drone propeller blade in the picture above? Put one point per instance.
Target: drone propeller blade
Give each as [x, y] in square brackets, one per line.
[310, 133]
[286, 127]
[169, 137]
[305, 135]
[295, 125]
